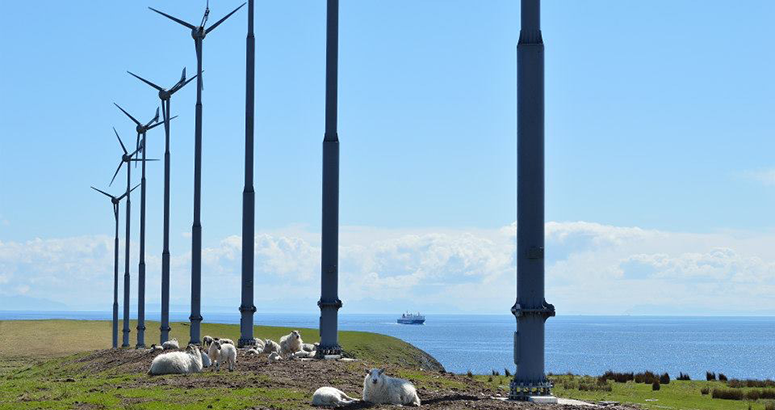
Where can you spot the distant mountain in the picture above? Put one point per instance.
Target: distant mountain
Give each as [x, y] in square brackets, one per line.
[18, 302]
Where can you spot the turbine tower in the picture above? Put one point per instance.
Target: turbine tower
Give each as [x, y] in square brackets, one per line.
[198, 33]
[247, 308]
[142, 129]
[329, 302]
[115, 201]
[165, 96]
[126, 158]
[530, 309]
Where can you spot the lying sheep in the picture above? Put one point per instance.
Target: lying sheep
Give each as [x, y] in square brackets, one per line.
[331, 397]
[186, 362]
[274, 357]
[309, 347]
[206, 341]
[290, 343]
[303, 354]
[155, 348]
[271, 347]
[206, 362]
[379, 388]
[220, 353]
[171, 345]
[259, 344]
[252, 352]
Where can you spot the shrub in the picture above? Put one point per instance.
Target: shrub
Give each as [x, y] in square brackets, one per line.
[664, 378]
[709, 376]
[646, 377]
[617, 377]
[752, 395]
[506, 372]
[727, 394]
[705, 390]
[489, 379]
[469, 374]
[655, 386]
[735, 383]
[722, 377]
[767, 393]
[495, 373]
[682, 376]
[769, 406]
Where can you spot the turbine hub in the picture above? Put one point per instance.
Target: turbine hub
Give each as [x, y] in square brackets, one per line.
[164, 95]
[198, 33]
[140, 129]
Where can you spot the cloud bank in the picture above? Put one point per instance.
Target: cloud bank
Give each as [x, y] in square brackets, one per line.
[591, 269]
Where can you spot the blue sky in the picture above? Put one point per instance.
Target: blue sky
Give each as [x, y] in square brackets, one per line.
[659, 118]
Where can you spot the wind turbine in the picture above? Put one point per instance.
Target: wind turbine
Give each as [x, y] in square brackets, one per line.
[115, 201]
[126, 158]
[165, 97]
[329, 302]
[142, 129]
[198, 33]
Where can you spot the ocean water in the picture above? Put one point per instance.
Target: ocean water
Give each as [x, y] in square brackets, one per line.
[740, 347]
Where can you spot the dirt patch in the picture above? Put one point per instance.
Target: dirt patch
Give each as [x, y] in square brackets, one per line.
[437, 390]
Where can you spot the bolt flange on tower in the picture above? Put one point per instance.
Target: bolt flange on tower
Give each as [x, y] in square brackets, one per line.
[531, 309]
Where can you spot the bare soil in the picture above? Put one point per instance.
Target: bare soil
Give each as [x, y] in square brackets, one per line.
[437, 390]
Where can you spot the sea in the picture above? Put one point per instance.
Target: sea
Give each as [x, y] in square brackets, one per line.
[739, 347]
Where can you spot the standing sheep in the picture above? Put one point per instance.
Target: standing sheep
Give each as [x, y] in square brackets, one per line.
[186, 362]
[206, 341]
[331, 397]
[291, 343]
[271, 347]
[220, 353]
[379, 388]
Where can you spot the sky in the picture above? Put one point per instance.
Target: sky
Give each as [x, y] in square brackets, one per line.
[660, 177]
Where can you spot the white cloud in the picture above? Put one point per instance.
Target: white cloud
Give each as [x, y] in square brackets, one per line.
[591, 268]
[763, 176]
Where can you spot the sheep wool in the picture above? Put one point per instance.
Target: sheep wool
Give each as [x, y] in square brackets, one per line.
[206, 341]
[206, 362]
[271, 346]
[291, 343]
[274, 357]
[331, 397]
[378, 388]
[308, 347]
[220, 353]
[171, 345]
[186, 362]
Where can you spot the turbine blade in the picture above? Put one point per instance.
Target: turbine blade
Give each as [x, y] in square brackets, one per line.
[155, 118]
[160, 123]
[130, 191]
[127, 114]
[114, 175]
[183, 76]
[141, 160]
[103, 193]
[119, 141]
[177, 20]
[137, 145]
[145, 81]
[180, 83]
[217, 23]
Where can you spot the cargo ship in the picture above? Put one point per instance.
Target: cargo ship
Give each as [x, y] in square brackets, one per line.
[411, 319]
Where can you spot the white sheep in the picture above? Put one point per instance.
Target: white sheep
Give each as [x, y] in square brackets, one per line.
[291, 343]
[379, 388]
[171, 345]
[252, 352]
[271, 346]
[206, 341]
[206, 362]
[259, 344]
[274, 357]
[186, 362]
[331, 397]
[308, 347]
[225, 341]
[303, 354]
[220, 353]
[155, 348]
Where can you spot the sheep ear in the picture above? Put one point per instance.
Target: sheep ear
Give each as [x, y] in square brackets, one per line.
[381, 371]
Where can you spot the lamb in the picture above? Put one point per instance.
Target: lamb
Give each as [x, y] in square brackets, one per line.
[309, 347]
[274, 357]
[225, 341]
[155, 348]
[171, 344]
[252, 352]
[259, 344]
[331, 397]
[291, 343]
[303, 354]
[186, 362]
[220, 353]
[379, 388]
[271, 346]
[206, 341]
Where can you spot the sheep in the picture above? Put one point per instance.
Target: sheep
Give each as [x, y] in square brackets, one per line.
[308, 347]
[206, 362]
[274, 357]
[259, 344]
[186, 362]
[206, 341]
[291, 343]
[379, 388]
[220, 353]
[171, 344]
[271, 346]
[252, 352]
[303, 354]
[155, 348]
[331, 397]
[225, 341]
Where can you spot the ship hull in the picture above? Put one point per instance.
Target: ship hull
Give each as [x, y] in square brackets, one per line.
[411, 321]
